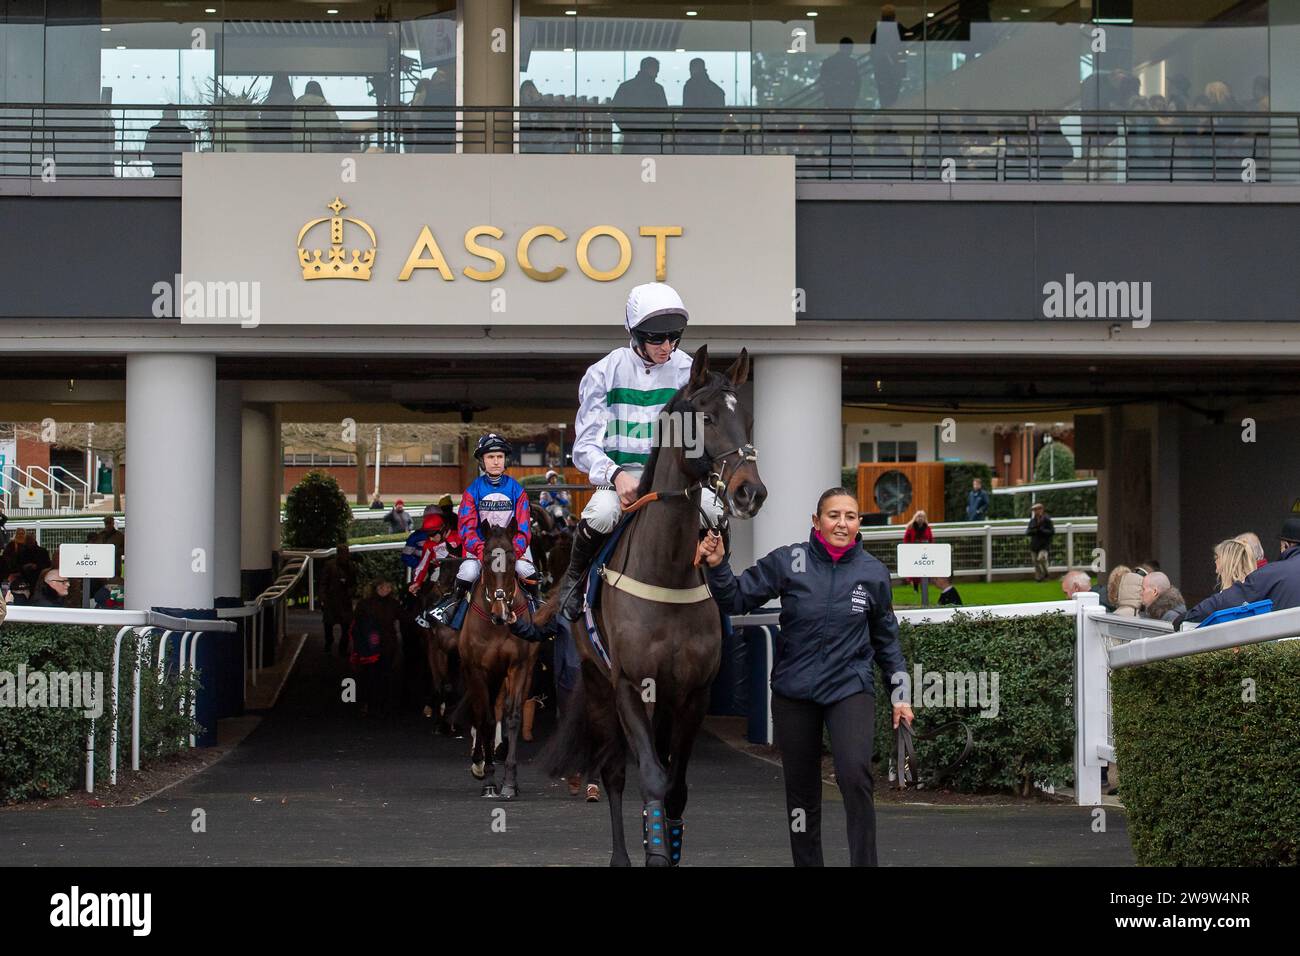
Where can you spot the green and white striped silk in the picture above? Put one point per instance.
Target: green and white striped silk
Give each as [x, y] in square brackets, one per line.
[629, 430]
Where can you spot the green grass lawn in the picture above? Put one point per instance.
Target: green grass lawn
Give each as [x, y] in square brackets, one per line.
[979, 592]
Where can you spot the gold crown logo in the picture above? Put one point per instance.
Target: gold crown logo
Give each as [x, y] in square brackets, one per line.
[336, 264]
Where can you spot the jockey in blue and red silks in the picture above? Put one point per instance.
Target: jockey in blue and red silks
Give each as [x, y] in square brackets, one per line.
[492, 498]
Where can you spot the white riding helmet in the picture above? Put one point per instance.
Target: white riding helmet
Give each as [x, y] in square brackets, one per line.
[655, 307]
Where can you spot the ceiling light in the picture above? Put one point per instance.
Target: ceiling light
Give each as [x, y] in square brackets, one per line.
[812, 13]
[692, 13]
[331, 12]
[121, 48]
[209, 9]
[105, 29]
[568, 49]
[680, 50]
[570, 13]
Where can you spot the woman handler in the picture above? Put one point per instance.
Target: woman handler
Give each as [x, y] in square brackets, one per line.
[837, 617]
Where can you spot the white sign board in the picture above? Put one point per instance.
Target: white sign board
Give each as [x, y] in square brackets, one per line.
[925, 560]
[30, 497]
[479, 240]
[87, 560]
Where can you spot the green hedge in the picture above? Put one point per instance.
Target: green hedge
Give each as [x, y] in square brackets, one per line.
[379, 564]
[1209, 779]
[1031, 740]
[316, 513]
[42, 750]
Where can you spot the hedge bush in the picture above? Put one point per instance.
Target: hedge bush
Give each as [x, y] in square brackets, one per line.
[1207, 778]
[42, 750]
[371, 565]
[316, 513]
[1031, 740]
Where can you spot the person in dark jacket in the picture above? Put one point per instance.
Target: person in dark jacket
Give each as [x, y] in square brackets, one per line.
[338, 589]
[1278, 581]
[1040, 531]
[837, 618]
[977, 502]
[398, 521]
[52, 591]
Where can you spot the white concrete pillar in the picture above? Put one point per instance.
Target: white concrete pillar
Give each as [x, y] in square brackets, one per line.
[261, 468]
[170, 449]
[797, 403]
[228, 482]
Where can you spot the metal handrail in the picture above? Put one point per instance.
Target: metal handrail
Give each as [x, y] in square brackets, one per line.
[1014, 146]
[1109, 642]
[139, 623]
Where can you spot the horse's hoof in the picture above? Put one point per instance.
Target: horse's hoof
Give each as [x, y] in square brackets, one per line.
[509, 792]
[489, 790]
[478, 770]
[654, 859]
[502, 751]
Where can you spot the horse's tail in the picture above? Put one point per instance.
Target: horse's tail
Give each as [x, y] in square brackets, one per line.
[579, 744]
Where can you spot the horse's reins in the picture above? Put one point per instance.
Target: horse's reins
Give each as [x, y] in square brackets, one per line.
[908, 766]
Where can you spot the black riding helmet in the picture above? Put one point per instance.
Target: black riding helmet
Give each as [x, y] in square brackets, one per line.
[492, 442]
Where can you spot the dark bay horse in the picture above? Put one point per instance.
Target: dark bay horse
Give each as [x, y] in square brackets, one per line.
[664, 645]
[493, 660]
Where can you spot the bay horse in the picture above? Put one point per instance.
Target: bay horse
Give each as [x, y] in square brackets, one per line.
[664, 643]
[494, 661]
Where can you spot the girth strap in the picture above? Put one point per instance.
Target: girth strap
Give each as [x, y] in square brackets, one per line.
[653, 592]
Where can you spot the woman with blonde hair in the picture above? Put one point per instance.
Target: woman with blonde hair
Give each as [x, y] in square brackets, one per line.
[1233, 561]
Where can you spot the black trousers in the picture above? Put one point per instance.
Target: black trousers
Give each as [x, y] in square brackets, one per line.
[798, 728]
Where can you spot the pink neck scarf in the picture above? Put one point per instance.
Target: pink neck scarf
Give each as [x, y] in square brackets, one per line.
[835, 552]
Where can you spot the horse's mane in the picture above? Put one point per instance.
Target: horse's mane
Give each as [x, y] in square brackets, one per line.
[716, 380]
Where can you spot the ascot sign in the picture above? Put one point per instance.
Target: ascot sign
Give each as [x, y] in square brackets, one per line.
[340, 262]
[487, 239]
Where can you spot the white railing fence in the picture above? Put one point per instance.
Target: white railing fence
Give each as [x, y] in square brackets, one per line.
[139, 625]
[991, 549]
[1108, 642]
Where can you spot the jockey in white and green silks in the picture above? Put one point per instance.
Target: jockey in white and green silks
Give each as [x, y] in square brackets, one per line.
[620, 399]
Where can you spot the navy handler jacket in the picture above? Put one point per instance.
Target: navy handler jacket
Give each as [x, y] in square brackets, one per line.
[836, 618]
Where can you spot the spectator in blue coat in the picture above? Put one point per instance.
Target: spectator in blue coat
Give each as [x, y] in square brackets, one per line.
[1278, 581]
[977, 502]
[837, 618]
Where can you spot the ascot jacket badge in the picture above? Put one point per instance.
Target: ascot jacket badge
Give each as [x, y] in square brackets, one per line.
[336, 263]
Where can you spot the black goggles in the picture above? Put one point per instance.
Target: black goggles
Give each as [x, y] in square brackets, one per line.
[659, 338]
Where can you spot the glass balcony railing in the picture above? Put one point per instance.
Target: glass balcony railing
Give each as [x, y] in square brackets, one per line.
[37, 140]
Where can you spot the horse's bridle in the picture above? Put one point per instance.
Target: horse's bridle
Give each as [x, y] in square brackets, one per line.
[498, 594]
[717, 480]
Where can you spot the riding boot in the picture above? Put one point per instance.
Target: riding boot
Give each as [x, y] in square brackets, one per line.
[586, 543]
[443, 611]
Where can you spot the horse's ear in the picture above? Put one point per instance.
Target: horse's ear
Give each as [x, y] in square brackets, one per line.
[739, 371]
[699, 369]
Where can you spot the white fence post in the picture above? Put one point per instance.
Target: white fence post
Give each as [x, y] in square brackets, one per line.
[988, 553]
[1091, 676]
